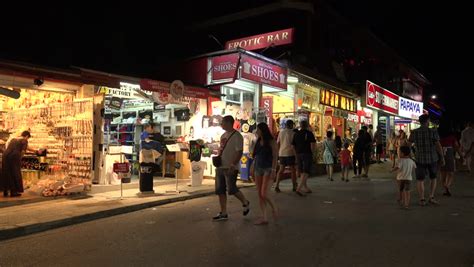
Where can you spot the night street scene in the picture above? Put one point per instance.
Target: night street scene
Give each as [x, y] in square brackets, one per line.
[236, 133]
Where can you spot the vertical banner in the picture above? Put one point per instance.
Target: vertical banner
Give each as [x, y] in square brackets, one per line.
[267, 106]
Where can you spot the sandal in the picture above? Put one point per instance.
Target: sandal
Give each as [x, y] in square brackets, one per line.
[433, 201]
[260, 222]
[300, 194]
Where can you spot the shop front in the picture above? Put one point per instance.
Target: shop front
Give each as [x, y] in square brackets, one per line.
[57, 109]
[174, 111]
[408, 113]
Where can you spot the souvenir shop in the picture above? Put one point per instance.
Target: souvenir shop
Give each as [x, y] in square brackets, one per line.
[175, 111]
[250, 86]
[59, 115]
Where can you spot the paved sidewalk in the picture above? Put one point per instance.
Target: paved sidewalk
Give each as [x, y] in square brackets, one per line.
[18, 220]
[49, 213]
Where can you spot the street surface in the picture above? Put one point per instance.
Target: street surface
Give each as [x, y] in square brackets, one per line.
[340, 224]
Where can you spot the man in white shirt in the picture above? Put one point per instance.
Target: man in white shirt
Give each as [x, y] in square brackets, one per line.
[286, 154]
[467, 144]
[231, 149]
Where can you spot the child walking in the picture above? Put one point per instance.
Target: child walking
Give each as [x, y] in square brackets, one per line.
[345, 162]
[404, 168]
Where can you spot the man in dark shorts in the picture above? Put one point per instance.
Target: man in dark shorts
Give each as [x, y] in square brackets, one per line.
[286, 154]
[378, 138]
[367, 151]
[231, 149]
[427, 151]
[304, 144]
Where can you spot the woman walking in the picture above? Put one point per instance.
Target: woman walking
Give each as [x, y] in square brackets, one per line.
[264, 170]
[11, 180]
[391, 148]
[329, 154]
[450, 146]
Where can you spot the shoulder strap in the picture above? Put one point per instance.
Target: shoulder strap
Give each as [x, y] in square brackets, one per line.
[222, 150]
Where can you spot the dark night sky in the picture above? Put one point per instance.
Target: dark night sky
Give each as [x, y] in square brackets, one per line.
[133, 39]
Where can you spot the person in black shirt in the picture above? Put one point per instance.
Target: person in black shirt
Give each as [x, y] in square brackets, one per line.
[367, 144]
[304, 145]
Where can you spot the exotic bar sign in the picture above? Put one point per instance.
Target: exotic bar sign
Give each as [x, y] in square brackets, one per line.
[255, 42]
[263, 72]
[381, 99]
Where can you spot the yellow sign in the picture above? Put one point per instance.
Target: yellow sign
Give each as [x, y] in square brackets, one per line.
[243, 160]
[336, 100]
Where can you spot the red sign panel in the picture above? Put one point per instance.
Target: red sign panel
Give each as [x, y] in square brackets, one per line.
[380, 98]
[224, 67]
[263, 72]
[276, 38]
[267, 105]
[121, 167]
[164, 87]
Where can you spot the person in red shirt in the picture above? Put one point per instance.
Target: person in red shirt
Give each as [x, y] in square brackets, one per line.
[345, 162]
[450, 146]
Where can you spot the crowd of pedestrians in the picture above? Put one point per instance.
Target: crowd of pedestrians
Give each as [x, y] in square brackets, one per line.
[427, 152]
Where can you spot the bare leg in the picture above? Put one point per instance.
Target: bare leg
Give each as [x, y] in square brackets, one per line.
[449, 179]
[279, 174]
[433, 187]
[421, 189]
[261, 200]
[400, 193]
[267, 181]
[293, 175]
[406, 198]
[330, 170]
[223, 203]
[241, 197]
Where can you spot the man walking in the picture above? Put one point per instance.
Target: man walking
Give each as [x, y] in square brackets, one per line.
[427, 151]
[467, 144]
[231, 149]
[304, 144]
[366, 143]
[378, 144]
[286, 154]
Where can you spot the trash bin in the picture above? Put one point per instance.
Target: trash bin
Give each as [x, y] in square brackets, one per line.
[197, 172]
[146, 177]
[245, 162]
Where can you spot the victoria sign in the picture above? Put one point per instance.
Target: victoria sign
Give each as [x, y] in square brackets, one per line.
[381, 99]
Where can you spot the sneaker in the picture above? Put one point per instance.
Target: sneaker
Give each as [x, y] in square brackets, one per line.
[433, 201]
[422, 202]
[300, 193]
[220, 217]
[246, 208]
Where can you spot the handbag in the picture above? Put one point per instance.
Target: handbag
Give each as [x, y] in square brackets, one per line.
[217, 160]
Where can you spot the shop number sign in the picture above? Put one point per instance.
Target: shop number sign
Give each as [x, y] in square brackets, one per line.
[121, 167]
[381, 99]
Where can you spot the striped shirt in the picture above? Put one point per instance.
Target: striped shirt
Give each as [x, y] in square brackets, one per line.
[425, 140]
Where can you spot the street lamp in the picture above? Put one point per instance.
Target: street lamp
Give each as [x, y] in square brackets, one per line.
[434, 97]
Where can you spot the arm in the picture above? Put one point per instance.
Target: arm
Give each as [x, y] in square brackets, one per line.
[275, 156]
